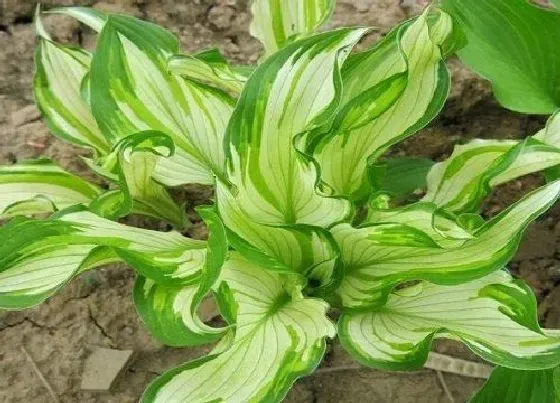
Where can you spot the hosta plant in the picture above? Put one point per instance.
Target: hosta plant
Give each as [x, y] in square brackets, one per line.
[309, 217]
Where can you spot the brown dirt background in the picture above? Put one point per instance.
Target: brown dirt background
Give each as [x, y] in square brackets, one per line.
[97, 310]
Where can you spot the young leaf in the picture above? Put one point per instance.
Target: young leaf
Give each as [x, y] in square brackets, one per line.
[210, 68]
[40, 186]
[59, 72]
[377, 257]
[494, 316]
[277, 23]
[516, 386]
[132, 91]
[407, 78]
[135, 158]
[170, 312]
[297, 90]
[513, 44]
[278, 338]
[38, 256]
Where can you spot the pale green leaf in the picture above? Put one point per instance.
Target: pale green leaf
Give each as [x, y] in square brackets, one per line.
[407, 78]
[59, 72]
[278, 338]
[91, 17]
[40, 186]
[495, 316]
[132, 91]
[377, 257]
[514, 44]
[277, 23]
[297, 90]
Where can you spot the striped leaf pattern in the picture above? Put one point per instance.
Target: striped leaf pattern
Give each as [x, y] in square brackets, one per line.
[278, 338]
[59, 74]
[170, 312]
[461, 182]
[407, 77]
[494, 316]
[39, 256]
[133, 161]
[297, 89]
[132, 91]
[40, 186]
[277, 23]
[376, 257]
[209, 67]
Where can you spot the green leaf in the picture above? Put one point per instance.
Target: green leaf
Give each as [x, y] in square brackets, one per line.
[400, 176]
[171, 312]
[277, 23]
[210, 68]
[377, 257]
[40, 186]
[132, 91]
[297, 90]
[461, 182]
[513, 43]
[495, 316]
[59, 72]
[515, 386]
[39, 256]
[408, 80]
[278, 338]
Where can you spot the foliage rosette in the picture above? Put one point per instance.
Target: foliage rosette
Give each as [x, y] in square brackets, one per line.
[309, 213]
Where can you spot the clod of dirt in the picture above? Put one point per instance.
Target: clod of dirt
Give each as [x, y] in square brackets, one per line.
[550, 309]
[103, 367]
[27, 114]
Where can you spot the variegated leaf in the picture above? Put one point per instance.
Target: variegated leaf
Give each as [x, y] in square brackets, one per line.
[59, 73]
[132, 91]
[40, 186]
[278, 23]
[170, 312]
[495, 316]
[459, 183]
[408, 82]
[210, 68]
[278, 338]
[91, 17]
[297, 90]
[39, 256]
[133, 161]
[378, 256]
